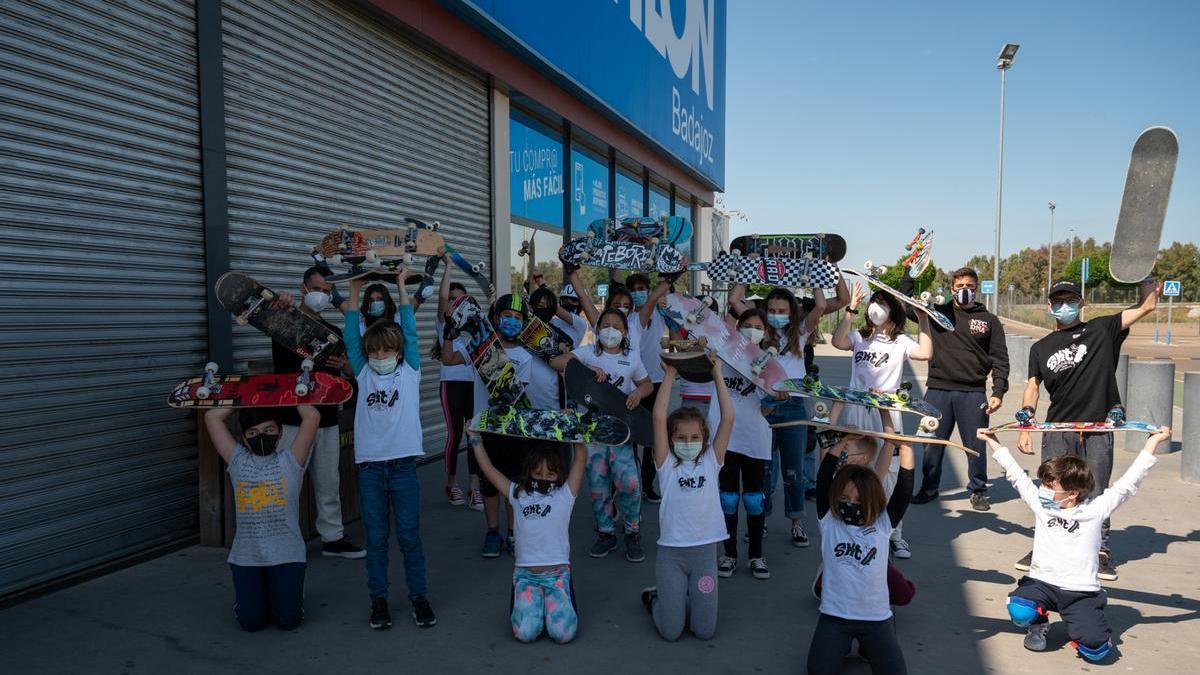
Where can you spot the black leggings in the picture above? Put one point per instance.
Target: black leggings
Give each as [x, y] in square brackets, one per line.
[458, 403]
[743, 477]
[876, 642]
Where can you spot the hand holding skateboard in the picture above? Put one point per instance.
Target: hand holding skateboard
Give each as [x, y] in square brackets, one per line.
[1025, 443]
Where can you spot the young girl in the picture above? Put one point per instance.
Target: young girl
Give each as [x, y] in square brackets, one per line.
[543, 595]
[457, 395]
[267, 558]
[745, 466]
[688, 462]
[377, 305]
[880, 349]
[614, 466]
[855, 535]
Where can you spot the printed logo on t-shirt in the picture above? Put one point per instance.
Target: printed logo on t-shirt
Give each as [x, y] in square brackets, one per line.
[258, 496]
[847, 551]
[876, 359]
[382, 399]
[691, 482]
[1066, 359]
[1068, 525]
[978, 326]
[536, 511]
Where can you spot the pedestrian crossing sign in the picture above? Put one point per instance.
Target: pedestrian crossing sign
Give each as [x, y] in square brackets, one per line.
[1171, 289]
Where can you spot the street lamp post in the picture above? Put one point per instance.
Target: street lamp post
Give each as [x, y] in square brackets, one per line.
[1071, 245]
[1003, 63]
[1050, 259]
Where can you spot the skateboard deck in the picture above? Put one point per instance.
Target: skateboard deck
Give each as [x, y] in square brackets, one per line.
[552, 425]
[606, 399]
[899, 438]
[787, 272]
[544, 340]
[902, 401]
[735, 349]
[351, 246]
[690, 358]
[1144, 205]
[488, 357]
[643, 230]
[250, 302]
[924, 304]
[622, 255]
[831, 247]
[920, 252]
[381, 270]
[1081, 427]
[258, 391]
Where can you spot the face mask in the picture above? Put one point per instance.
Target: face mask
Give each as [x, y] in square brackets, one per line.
[510, 326]
[964, 296]
[779, 320]
[610, 337]
[263, 444]
[570, 307]
[376, 308]
[1046, 497]
[544, 313]
[688, 450]
[542, 486]
[877, 314]
[623, 310]
[1066, 312]
[383, 366]
[852, 514]
[316, 300]
[752, 334]
[639, 297]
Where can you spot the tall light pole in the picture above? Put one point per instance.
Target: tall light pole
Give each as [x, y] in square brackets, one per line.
[1003, 63]
[1071, 244]
[1050, 259]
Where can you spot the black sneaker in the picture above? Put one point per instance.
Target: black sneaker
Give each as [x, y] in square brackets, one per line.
[381, 618]
[924, 497]
[633, 548]
[799, 536]
[979, 501]
[1035, 639]
[1024, 563]
[1106, 570]
[649, 595]
[605, 542]
[810, 494]
[342, 549]
[423, 613]
[651, 495]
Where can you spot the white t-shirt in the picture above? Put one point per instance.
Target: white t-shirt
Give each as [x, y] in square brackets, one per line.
[624, 370]
[751, 435]
[792, 362]
[463, 372]
[695, 391]
[690, 513]
[540, 524]
[854, 585]
[649, 343]
[1066, 541]
[387, 418]
[576, 330]
[878, 361]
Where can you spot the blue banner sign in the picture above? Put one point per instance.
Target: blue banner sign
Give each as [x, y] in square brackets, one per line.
[535, 172]
[589, 189]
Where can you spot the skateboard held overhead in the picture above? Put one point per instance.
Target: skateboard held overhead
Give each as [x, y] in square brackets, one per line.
[924, 304]
[831, 247]
[259, 391]
[901, 401]
[605, 398]
[545, 340]
[552, 425]
[357, 247]
[486, 354]
[1144, 205]
[250, 302]
[690, 358]
[753, 269]
[920, 252]
[852, 431]
[735, 349]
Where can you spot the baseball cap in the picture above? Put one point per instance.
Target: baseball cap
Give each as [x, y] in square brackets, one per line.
[1065, 286]
[568, 291]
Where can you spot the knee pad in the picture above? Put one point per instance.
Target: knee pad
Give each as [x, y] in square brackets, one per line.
[729, 502]
[755, 503]
[1093, 654]
[1023, 611]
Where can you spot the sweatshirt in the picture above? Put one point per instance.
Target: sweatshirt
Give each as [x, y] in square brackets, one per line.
[962, 358]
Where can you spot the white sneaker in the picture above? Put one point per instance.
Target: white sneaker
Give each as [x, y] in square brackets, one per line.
[799, 536]
[725, 566]
[900, 549]
[758, 567]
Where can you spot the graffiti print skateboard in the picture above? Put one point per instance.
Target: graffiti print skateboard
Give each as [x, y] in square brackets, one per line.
[787, 272]
[735, 349]
[250, 302]
[1081, 427]
[553, 425]
[258, 391]
[920, 252]
[924, 304]
[895, 438]
[358, 246]
[491, 363]
[544, 340]
[1144, 205]
[622, 255]
[649, 231]
[831, 247]
[585, 393]
[902, 400]
[690, 358]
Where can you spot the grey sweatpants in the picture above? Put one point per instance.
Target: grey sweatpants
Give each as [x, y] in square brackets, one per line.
[687, 591]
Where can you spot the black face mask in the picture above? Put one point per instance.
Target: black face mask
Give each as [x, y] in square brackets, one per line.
[543, 486]
[570, 307]
[263, 445]
[852, 514]
[544, 313]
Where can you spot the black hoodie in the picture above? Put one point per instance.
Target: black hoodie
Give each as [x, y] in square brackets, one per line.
[962, 358]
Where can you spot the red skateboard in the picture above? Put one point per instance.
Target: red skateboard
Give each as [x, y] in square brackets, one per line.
[259, 391]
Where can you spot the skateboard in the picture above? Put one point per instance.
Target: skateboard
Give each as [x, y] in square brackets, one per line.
[552, 425]
[852, 431]
[491, 363]
[644, 230]
[250, 302]
[924, 304]
[735, 349]
[831, 247]
[1144, 205]
[902, 400]
[622, 255]
[381, 270]
[605, 398]
[544, 340]
[690, 358]
[787, 272]
[1081, 427]
[367, 246]
[920, 252]
[259, 391]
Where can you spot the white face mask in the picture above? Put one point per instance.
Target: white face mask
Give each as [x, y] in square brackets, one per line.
[610, 337]
[316, 300]
[688, 450]
[752, 334]
[877, 314]
[623, 310]
[383, 366]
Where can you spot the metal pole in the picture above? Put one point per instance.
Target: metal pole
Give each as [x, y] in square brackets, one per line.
[1189, 464]
[1050, 252]
[999, 191]
[1170, 305]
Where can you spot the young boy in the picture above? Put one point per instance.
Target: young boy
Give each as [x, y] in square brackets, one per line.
[387, 441]
[1063, 573]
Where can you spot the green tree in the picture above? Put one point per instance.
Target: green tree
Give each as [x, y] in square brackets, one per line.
[894, 273]
[1180, 262]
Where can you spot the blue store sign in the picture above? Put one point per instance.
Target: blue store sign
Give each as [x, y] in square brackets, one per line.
[657, 65]
[535, 172]
[589, 194]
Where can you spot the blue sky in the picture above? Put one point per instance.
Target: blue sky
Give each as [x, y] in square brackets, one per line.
[870, 119]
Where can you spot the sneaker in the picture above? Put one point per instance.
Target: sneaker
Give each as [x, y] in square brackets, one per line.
[799, 536]
[475, 500]
[758, 567]
[649, 595]
[492, 544]
[725, 566]
[810, 494]
[1024, 563]
[342, 549]
[633, 548]
[746, 535]
[900, 549]
[1035, 639]
[423, 613]
[651, 495]
[605, 542]
[510, 545]
[979, 501]
[455, 495]
[381, 618]
[1106, 571]
[924, 497]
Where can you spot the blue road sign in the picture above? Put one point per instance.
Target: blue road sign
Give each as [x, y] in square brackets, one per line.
[601, 290]
[1171, 289]
[987, 286]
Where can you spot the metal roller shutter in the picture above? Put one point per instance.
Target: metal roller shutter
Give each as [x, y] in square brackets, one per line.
[101, 282]
[334, 118]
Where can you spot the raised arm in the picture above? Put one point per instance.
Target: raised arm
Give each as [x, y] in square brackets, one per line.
[662, 445]
[1125, 486]
[828, 467]
[354, 351]
[924, 350]
[1146, 303]
[841, 334]
[902, 493]
[489, 470]
[737, 298]
[408, 325]
[444, 289]
[578, 467]
[725, 426]
[841, 297]
[1012, 471]
[585, 300]
[309, 419]
[813, 318]
[215, 421]
[651, 305]
[1028, 400]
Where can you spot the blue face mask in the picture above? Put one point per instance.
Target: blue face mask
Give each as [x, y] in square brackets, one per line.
[1065, 312]
[510, 326]
[639, 297]
[376, 308]
[1046, 497]
[779, 320]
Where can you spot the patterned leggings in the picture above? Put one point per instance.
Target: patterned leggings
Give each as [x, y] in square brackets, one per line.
[614, 469]
[543, 599]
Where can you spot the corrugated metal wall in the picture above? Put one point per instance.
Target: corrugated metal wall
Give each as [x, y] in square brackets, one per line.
[334, 118]
[101, 281]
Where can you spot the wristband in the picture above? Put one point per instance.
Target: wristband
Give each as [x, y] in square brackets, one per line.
[474, 440]
[851, 311]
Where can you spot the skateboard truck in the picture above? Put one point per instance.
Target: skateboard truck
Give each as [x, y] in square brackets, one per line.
[252, 306]
[821, 411]
[1116, 416]
[1025, 415]
[304, 381]
[210, 384]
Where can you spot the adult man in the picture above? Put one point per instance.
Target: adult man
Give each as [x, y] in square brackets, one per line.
[324, 460]
[958, 374]
[1077, 363]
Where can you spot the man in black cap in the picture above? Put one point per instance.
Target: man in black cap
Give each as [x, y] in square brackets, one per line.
[1077, 363]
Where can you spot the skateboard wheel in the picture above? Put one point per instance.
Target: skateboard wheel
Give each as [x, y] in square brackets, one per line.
[903, 396]
[211, 367]
[881, 270]
[666, 343]
[939, 299]
[371, 257]
[868, 266]
[241, 320]
[476, 268]
[925, 296]
[307, 364]
[203, 393]
[821, 408]
[266, 294]
[929, 424]
[736, 252]
[773, 350]
[301, 389]
[431, 226]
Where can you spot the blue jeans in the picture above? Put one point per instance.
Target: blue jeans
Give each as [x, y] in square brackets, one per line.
[967, 410]
[380, 485]
[272, 592]
[787, 449]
